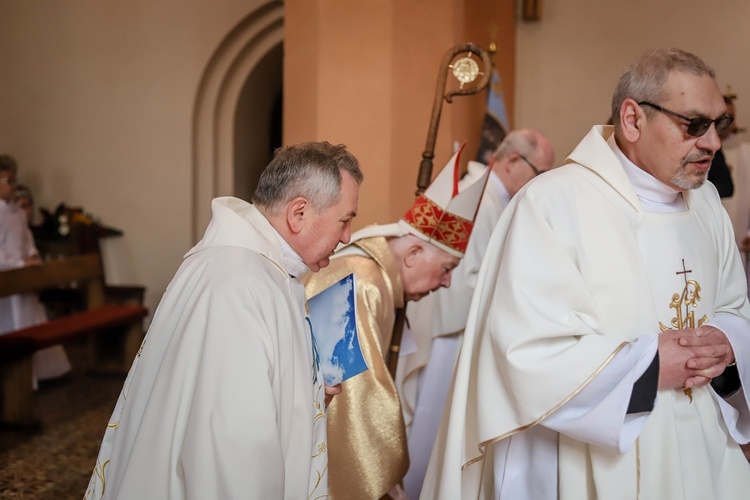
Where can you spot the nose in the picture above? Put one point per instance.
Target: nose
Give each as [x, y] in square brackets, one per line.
[710, 140]
[447, 279]
[346, 234]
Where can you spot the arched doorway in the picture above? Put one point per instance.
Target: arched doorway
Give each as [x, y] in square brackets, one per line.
[257, 122]
[226, 107]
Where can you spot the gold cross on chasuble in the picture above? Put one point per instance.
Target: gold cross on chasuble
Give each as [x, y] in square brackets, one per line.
[681, 303]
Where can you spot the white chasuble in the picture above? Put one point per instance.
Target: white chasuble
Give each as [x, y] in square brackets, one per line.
[577, 279]
[225, 399]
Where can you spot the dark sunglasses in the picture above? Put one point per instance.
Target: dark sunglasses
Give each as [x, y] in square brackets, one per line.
[696, 127]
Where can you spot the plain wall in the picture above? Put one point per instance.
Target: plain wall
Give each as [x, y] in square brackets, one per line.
[96, 104]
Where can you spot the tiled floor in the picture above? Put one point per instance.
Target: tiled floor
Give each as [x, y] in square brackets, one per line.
[56, 462]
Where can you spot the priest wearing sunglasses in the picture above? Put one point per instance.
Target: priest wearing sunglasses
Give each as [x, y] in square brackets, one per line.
[608, 344]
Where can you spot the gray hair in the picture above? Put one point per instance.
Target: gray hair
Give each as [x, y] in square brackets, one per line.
[8, 164]
[521, 142]
[644, 78]
[309, 169]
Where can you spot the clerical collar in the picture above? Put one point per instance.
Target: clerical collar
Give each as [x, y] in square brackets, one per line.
[292, 261]
[655, 196]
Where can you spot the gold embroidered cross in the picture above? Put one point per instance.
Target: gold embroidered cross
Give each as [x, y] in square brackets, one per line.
[681, 303]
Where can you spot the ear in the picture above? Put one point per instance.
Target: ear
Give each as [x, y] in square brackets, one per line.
[511, 160]
[412, 254]
[295, 214]
[632, 117]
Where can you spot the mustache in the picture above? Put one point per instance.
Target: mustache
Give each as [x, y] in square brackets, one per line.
[698, 156]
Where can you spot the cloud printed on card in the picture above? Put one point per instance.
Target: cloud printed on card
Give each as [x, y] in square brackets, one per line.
[332, 313]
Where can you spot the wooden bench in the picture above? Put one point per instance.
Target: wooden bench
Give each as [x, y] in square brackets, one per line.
[114, 331]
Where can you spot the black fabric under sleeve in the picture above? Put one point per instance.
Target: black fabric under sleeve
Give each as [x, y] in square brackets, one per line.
[728, 382]
[643, 396]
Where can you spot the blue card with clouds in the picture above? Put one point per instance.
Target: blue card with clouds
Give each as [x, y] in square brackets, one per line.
[333, 315]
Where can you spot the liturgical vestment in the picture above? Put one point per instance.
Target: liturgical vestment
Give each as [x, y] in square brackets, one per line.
[576, 285]
[367, 441]
[436, 324]
[444, 311]
[224, 399]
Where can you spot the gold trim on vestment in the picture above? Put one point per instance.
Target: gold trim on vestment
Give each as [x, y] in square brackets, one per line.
[99, 471]
[638, 468]
[483, 445]
[317, 483]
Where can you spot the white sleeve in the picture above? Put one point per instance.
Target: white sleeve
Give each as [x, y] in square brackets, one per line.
[598, 414]
[736, 409]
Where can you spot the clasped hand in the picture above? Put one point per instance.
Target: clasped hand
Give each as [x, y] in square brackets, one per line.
[692, 357]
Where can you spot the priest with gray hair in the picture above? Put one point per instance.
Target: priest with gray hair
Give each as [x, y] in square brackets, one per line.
[607, 346]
